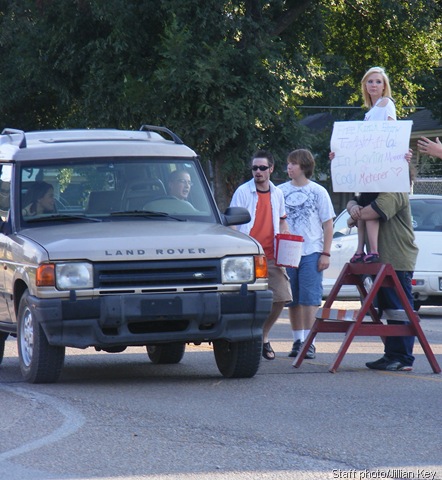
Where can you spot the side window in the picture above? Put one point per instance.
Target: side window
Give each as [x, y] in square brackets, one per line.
[5, 187]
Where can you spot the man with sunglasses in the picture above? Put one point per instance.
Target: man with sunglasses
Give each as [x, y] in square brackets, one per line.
[265, 203]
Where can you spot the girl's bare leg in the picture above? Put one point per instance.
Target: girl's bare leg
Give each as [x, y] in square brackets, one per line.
[361, 236]
[372, 227]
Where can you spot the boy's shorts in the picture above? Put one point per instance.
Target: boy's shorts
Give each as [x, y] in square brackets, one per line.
[306, 282]
[279, 283]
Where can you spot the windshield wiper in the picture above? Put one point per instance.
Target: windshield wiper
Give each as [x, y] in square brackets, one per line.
[146, 213]
[62, 217]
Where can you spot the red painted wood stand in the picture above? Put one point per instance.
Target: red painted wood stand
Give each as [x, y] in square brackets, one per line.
[354, 323]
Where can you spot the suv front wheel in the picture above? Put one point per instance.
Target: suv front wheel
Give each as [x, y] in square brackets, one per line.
[238, 359]
[39, 361]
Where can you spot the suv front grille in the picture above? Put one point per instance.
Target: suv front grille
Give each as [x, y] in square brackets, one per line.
[170, 273]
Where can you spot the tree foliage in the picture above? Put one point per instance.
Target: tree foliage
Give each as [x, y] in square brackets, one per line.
[229, 77]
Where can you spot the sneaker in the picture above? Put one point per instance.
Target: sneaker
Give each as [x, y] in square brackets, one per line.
[389, 365]
[357, 258]
[311, 352]
[371, 258]
[295, 348]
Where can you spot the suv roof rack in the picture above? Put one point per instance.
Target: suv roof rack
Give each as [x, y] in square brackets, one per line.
[22, 143]
[153, 128]
[11, 131]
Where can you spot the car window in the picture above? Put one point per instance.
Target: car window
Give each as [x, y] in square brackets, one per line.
[5, 186]
[427, 214]
[105, 187]
[340, 227]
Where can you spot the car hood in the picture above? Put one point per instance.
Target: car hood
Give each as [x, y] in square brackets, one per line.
[140, 240]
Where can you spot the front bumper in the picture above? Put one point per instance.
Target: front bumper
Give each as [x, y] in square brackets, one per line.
[147, 319]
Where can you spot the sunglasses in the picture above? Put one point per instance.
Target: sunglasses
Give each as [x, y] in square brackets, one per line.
[263, 168]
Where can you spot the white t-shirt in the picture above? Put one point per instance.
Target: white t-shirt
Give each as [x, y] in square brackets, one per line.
[381, 113]
[307, 208]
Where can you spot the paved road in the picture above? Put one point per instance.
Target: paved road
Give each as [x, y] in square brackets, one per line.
[118, 417]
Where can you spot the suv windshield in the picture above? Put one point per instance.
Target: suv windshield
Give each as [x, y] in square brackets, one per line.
[110, 188]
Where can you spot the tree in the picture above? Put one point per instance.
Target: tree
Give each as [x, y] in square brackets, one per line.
[349, 36]
[211, 71]
[401, 36]
[228, 77]
[222, 73]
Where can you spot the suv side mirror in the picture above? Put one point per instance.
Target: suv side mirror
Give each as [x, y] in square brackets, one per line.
[236, 216]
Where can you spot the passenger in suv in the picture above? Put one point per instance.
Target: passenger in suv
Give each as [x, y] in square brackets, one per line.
[180, 184]
[39, 199]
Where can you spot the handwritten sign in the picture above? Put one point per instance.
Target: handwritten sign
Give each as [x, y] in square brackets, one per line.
[370, 156]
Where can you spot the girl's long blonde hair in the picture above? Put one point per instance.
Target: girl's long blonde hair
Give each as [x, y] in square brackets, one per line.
[387, 88]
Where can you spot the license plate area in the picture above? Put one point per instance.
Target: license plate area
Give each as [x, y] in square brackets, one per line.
[155, 308]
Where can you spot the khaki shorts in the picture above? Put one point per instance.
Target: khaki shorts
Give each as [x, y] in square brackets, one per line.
[279, 283]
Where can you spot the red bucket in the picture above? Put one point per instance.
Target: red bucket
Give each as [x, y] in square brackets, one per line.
[288, 250]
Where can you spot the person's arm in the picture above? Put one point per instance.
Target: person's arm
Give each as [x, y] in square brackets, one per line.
[283, 226]
[368, 213]
[324, 259]
[354, 210]
[361, 213]
[427, 146]
[328, 235]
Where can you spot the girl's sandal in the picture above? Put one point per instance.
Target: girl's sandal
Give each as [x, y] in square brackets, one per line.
[371, 258]
[357, 258]
[267, 351]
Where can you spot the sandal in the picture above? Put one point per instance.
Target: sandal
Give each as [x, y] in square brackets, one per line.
[371, 258]
[267, 351]
[358, 258]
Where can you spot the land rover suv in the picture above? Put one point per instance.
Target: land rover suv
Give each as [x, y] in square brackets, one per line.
[98, 250]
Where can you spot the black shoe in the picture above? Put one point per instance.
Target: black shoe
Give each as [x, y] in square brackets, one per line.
[295, 348]
[389, 365]
[311, 352]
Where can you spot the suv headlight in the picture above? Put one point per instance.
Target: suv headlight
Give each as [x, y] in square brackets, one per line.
[71, 276]
[238, 270]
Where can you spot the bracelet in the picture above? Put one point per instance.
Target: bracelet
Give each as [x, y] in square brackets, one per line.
[326, 254]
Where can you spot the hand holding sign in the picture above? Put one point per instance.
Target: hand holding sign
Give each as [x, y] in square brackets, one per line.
[370, 156]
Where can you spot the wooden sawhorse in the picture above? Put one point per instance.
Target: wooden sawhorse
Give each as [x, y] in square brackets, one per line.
[351, 322]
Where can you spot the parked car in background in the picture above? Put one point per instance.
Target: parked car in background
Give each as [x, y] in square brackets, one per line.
[427, 280]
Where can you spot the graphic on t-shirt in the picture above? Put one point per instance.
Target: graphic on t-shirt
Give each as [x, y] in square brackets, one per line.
[307, 208]
[300, 207]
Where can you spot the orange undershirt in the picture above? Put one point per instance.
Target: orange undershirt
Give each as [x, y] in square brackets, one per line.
[262, 229]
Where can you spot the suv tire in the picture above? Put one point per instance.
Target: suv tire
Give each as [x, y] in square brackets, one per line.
[167, 353]
[39, 361]
[238, 359]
